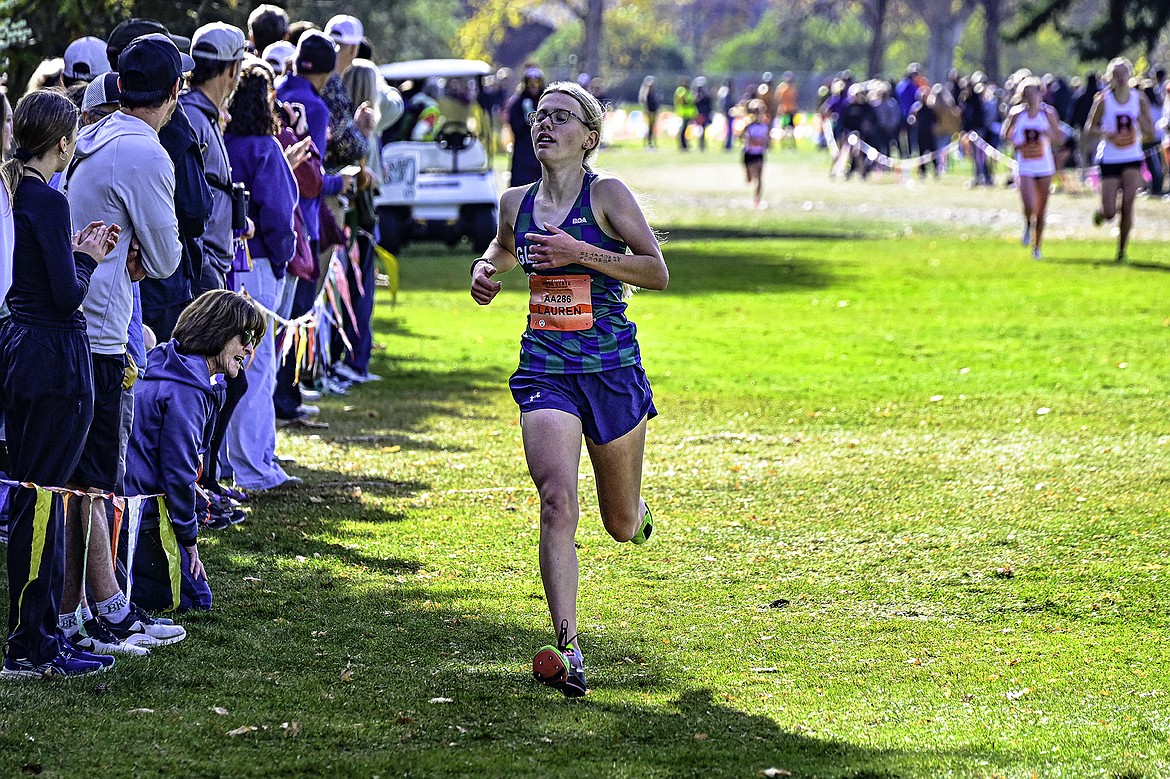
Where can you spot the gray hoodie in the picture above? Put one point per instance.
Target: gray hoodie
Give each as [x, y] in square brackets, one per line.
[123, 176]
[216, 240]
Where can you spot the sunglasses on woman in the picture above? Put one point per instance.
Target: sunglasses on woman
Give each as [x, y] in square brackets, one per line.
[556, 116]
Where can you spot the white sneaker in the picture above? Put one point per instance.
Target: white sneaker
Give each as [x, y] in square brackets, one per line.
[140, 629]
[306, 410]
[349, 374]
[98, 639]
[309, 395]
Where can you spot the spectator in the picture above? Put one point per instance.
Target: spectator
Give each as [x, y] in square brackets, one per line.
[525, 167]
[7, 236]
[176, 401]
[787, 99]
[48, 75]
[85, 60]
[267, 24]
[349, 130]
[313, 65]
[906, 91]
[150, 70]
[258, 162]
[45, 384]
[648, 98]
[703, 109]
[218, 50]
[279, 55]
[684, 109]
[130, 29]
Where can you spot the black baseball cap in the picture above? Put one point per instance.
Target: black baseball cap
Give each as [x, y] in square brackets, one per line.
[151, 63]
[130, 29]
[316, 53]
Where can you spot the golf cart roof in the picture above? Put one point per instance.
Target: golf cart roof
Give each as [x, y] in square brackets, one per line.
[437, 68]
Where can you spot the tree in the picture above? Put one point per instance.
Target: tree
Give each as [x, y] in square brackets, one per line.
[945, 20]
[1119, 25]
[875, 13]
[484, 30]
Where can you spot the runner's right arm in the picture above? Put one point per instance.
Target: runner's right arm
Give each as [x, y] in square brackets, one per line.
[501, 253]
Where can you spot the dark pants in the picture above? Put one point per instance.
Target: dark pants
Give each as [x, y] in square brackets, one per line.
[162, 302]
[235, 389]
[286, 396]
[359, 331]
[151, 586]
[46, 388]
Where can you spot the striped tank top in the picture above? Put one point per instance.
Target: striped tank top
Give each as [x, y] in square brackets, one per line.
[577, 319]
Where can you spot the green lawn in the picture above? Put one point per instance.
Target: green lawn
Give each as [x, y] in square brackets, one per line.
[911, 491]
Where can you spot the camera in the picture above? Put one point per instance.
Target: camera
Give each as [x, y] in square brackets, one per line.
[240, 201]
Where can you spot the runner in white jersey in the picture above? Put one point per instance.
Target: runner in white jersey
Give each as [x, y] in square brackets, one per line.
[1032, 127]
[757, 137]
[1121, 117]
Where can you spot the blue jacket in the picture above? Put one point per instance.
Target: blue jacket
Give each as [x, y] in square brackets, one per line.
[258, 161]
[294, 89]
[175, 406]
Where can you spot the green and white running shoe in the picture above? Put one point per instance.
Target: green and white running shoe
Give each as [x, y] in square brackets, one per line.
[643, 534]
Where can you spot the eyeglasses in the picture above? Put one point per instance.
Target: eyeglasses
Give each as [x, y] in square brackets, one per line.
[557, 116]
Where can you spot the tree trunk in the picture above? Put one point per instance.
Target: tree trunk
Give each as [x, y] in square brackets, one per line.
[993, 16]
[875, 62]
[591, 53]
[945, 23]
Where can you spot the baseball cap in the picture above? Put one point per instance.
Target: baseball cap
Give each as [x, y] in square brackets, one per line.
[130, 29]
[151, 63]
[218, 41]
[316, 53]
[102, 90]
[85, 59]
[278, 55]
[345, 29]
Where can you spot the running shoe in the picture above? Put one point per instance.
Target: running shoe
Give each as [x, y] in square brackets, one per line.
[1036, 253]
[561, 667]
[96, 637]
[1026, 238]
[353, 375]
[70, 646]
[140, 629]
[63, 665]
[1098, 218]
[644, 532]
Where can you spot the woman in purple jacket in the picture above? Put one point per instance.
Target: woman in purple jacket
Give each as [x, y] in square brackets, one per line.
[258, 162]
[175, 403]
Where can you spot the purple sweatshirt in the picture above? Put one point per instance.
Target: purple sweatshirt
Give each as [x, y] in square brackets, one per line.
[294, 89]
[258, 162]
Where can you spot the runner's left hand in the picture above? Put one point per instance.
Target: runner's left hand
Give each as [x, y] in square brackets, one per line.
[552, 251]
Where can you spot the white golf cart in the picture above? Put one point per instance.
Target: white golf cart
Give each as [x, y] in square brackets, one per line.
[442, 189]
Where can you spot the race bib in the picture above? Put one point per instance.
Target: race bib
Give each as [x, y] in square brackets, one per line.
[1033, 147]
[560, 303]
[1125, 131]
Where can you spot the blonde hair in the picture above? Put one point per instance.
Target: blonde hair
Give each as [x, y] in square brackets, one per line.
[1115, 63]
[1029, 81]
[361, 81]
[592, 112]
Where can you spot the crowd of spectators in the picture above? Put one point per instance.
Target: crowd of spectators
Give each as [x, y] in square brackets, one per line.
[144, 369]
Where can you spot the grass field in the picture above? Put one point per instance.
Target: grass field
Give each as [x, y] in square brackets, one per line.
[911, 491]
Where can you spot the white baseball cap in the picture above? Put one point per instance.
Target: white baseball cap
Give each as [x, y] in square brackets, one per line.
[86, 59]
[278, 55]
[218, 41]
[345, 29]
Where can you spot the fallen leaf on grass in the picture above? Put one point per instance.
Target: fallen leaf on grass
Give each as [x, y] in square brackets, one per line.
[441, 700]
[1015, 695]
[142, 711]
[347, 674]
[1004, 572]
[315, 499]
[779, 603]
[700, 737]
[242, 730]
[291, 728]
[773, 773]
[220, 710]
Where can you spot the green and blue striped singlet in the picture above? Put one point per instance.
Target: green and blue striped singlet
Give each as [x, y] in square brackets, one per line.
[611, 341]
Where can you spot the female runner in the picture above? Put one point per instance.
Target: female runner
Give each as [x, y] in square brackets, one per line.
[1121, 117]
[1033, 127]
[581, 238]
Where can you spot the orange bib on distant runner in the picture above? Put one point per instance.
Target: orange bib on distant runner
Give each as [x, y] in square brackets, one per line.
[560, 303]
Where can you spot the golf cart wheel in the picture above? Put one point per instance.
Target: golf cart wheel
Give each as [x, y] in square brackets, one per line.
[392, 224]
[482, 227]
